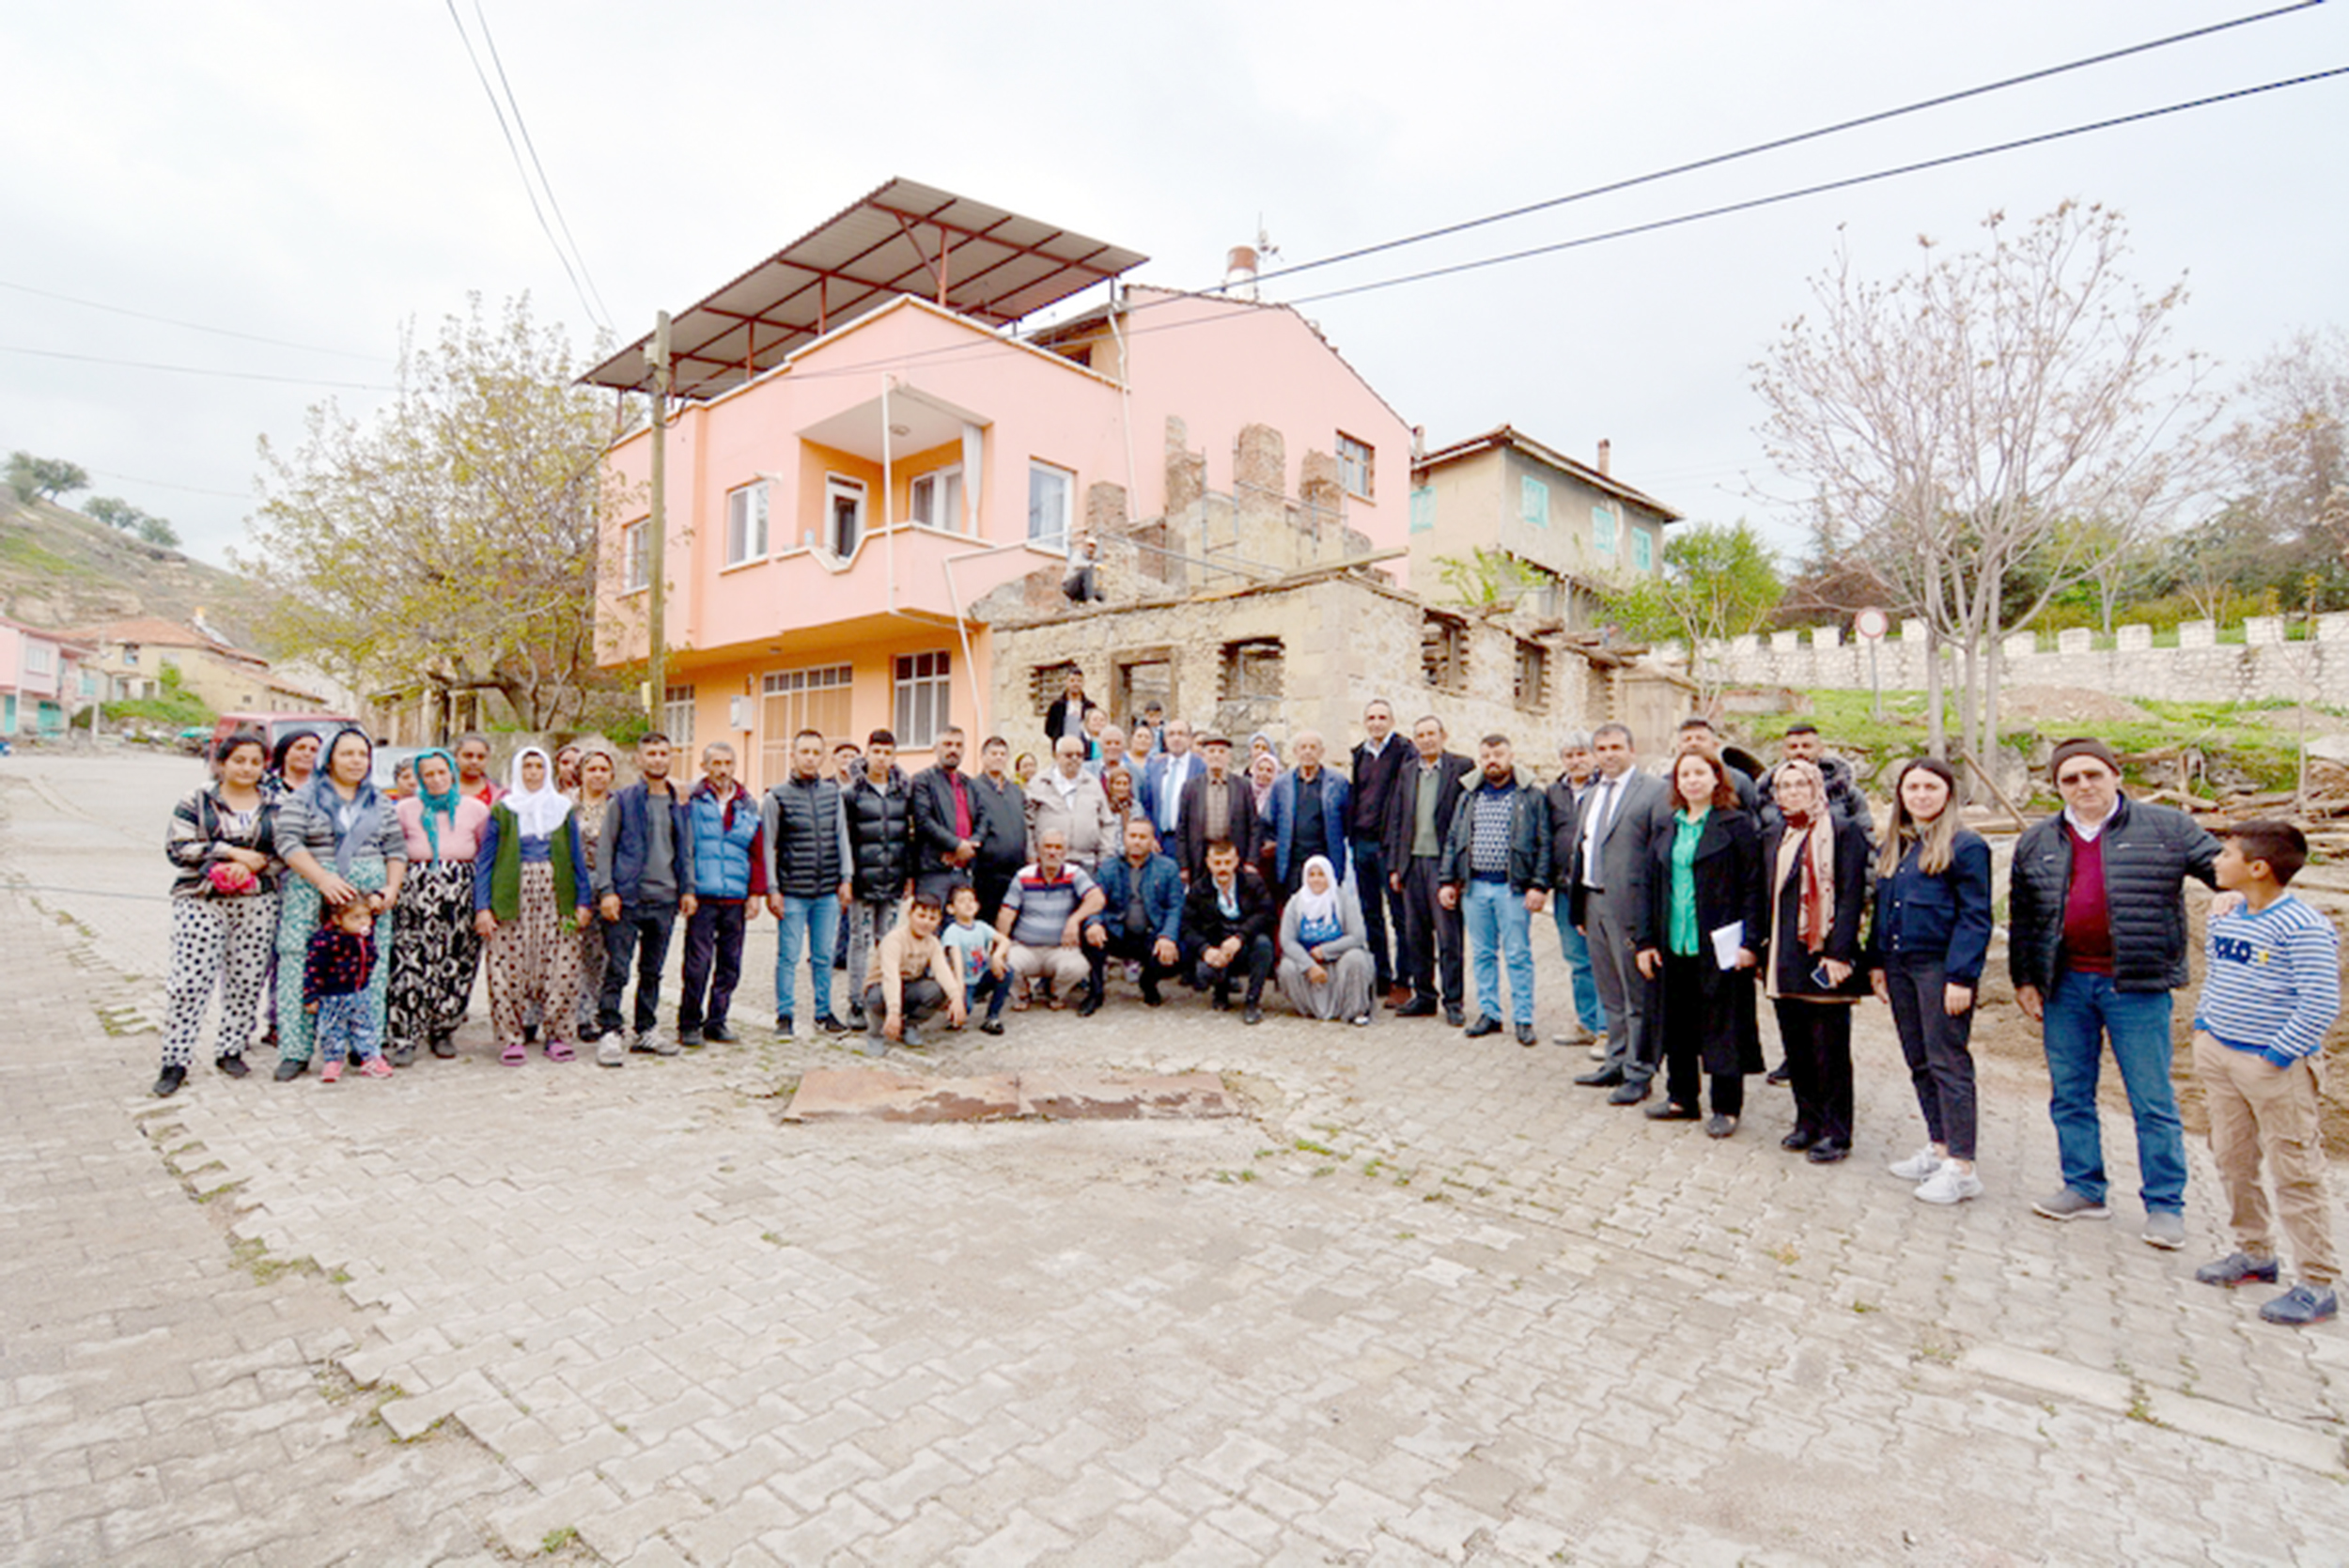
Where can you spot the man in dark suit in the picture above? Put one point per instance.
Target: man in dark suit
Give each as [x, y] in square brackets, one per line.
[1169, 766]
[1227, 929]
[1002, 827]
[1378, 760]
[1215, 804]
[1311, 807]
[1622, 812]
[1418, 818]
[946, 823]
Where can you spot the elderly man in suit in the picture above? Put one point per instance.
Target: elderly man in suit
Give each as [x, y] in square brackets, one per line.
[1215, 804]
[1622, 812]
[1159, 784]
[1419, 819]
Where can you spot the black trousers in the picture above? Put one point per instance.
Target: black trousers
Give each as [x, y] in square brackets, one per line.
[1253, 961]
[713, 962]
[1817, 1036]
[1123, 946]
[1939, 1052]
[1430, 951]
[1685, 1028]
[642, 934]
[1370, 875]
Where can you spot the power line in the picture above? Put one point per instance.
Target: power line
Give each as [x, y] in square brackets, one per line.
[191, 326]
[523, 125]
[168, 485]
[195, 369]
[1777, 143]
[514, 150]
[1757, 202]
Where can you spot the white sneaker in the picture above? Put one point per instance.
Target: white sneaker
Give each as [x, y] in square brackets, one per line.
[1949, 1185]
[1598, 1048]
[1919, 1166]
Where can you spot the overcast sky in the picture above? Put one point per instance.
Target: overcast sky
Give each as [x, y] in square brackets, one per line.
[319, 174]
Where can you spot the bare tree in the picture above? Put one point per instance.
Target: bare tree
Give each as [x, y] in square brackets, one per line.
[1952, 421]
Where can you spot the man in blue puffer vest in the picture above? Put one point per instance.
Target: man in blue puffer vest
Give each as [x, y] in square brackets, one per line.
[730, 880]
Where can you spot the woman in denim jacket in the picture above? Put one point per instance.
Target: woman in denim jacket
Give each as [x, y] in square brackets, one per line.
[1926, 948]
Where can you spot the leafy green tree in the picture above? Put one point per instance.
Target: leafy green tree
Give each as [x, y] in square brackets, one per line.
[1717, 582]
[1487, 578]
[44, 478]
[113, 511]
[451, 537]
[157, 531]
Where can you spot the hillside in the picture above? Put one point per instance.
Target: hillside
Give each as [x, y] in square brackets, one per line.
[60, 569]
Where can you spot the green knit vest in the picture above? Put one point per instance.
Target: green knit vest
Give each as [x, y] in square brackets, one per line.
[505, 872]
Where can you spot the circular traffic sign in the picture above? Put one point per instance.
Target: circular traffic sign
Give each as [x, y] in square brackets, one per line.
[1871, 624]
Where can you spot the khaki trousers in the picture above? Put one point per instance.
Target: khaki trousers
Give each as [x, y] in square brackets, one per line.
[2259, 1115]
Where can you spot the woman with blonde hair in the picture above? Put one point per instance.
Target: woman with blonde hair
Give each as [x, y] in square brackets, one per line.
[1925, 952]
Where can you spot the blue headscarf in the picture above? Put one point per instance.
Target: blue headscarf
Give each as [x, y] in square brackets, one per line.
[328, 801]
[436, 806]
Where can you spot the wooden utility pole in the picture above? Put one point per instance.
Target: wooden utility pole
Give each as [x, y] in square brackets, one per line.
[656, 526]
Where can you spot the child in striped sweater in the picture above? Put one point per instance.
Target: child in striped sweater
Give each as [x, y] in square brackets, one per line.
[2271, 991]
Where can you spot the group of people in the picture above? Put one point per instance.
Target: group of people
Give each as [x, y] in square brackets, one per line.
[1680, 896]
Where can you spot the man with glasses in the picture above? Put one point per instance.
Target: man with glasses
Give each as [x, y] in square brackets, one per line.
[2099, 941]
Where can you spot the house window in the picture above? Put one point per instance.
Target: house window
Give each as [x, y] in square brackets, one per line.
[39, 659]
[844, 513]
[1531, 687]
[1604, 526]
[920, 708]
[130, 655]
[746, 524]
[677, 717]
[935, 498]
[1355, 466]
[1423, 509]
[635, 563]
[1252, 668]
[795, 700]
[1048, 684]
[1534, 502]
[1443, 652]
[1644, 548]
[1049, 492]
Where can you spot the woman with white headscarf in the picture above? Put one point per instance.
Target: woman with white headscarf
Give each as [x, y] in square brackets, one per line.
[531, 900]
[433, 966]
[1325, 970]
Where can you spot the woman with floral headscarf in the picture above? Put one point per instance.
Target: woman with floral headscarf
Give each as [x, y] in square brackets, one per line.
[530, 898]
[341, 840]
[432, 968]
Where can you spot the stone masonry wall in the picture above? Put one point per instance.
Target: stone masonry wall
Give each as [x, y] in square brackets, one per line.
[2264, 667]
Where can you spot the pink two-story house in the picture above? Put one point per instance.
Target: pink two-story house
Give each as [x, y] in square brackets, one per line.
[40, 680]
[863, 444]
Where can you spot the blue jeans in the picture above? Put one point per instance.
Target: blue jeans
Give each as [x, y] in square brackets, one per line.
[1497, 918]
[2083, 1011]
[347, 1026]
[1576, 949]
[808, 926]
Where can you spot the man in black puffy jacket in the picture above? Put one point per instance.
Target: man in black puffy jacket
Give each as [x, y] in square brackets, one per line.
[807, 877]
[2097, 944]
[881, 838]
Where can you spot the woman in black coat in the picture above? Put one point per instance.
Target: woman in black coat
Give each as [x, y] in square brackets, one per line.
[1703, 928]
[1815, 866]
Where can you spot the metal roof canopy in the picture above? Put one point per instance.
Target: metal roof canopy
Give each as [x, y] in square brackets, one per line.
[977, 260]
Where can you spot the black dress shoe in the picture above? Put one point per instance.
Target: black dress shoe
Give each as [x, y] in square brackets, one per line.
[1453, 1014]
[1799, 1140]
[233, 1066]
[1828, 1154]
[1526, 1036]
[167, 1083]
[1627, 1092]
[1252, 1013]
[1092, 1003]
[830, 1025]
[1719, 1126]
[1418, 1007]
[1481, 1027]
[1606, 1077]
[289, 1071]
[1671, 1111]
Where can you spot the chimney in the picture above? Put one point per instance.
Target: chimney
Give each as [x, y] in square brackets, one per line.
[1606, 452]
[1240, 271]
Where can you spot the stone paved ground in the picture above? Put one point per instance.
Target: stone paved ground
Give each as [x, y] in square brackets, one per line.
[1431, 1303]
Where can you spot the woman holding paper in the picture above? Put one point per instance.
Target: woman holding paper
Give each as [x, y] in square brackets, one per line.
[1816, 865]
[1704, 928]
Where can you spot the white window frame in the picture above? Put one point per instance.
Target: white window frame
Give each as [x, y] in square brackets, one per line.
[41, 659]
[746, 523]
[839, 488]
[636, 559]
[921, 698]
[1048, 538]
[1358, 466]
[677, 717]
[936, 499]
